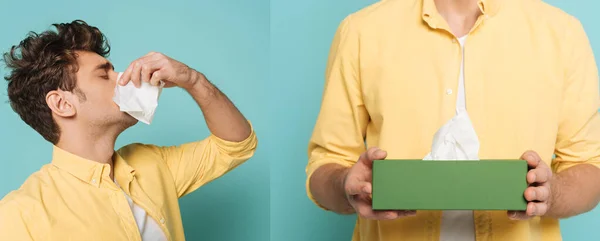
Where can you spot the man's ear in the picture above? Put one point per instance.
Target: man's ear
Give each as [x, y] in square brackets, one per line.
[60, 104]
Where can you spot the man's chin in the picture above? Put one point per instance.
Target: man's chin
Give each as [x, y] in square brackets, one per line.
[128, 120]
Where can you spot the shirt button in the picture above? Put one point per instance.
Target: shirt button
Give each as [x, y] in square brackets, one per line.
[449, 91]
[94, 181]
[162, 220]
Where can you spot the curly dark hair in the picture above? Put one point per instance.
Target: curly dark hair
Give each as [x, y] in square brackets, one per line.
[45, 62]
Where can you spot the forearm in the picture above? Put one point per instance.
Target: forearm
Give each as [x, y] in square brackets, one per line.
[327, 187]
[574, 191]
[223, 119]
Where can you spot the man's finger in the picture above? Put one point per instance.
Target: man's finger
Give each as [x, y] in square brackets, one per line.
[374, 153]
[538, 175]
[532, 158]
[538, 209]
[365, 210]
[149, 70]
[364, 158]
[129, 72]
[126, 76]
[136, 73]
[149, 54]
[541, 194]
[386, 215]
[157, 76]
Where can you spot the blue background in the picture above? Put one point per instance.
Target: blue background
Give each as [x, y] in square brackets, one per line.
[228, 40]
[301, 34]
[269, 58]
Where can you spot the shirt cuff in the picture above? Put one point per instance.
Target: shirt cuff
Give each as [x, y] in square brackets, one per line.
[233, 148]
[561, 165]
[312, 166]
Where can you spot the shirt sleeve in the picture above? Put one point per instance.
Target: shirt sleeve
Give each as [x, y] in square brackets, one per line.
[578, 139]
[13, 224]
[195, 164]
[338, 135]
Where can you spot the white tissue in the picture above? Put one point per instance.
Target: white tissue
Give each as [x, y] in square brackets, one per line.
[455, 140]
[140, 102]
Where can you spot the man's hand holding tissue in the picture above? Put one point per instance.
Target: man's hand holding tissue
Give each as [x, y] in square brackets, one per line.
[222, 118]
[357, 185]
[155, 67]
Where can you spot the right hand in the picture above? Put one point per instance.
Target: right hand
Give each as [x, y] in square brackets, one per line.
[358, 188]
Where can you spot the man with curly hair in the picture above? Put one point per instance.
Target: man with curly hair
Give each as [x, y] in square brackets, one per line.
[61, 84]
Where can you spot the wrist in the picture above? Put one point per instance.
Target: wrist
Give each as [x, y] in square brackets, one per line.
[341, 184]
[197, 81]
[555, 188]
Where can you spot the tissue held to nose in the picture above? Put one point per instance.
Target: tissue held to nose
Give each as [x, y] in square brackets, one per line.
[139, 102]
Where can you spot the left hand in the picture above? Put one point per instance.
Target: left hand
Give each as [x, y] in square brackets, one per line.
[538, 194]
[154, 67]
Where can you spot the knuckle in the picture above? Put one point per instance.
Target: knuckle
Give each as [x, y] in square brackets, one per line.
[347, 189]
[371, 151]
[546, 192]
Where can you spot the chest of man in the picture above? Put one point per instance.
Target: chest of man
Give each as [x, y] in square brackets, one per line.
[80, 211]
[513, 85]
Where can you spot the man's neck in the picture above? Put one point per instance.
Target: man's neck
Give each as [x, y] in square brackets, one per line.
[460, 15]
[95, 146]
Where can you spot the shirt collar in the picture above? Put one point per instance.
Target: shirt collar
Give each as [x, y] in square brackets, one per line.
[86, 170]
[487, 7]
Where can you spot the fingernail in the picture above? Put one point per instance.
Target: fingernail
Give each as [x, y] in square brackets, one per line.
[532, 211]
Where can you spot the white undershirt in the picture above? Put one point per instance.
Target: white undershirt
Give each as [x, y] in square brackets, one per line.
[459, 225]
[148, 227]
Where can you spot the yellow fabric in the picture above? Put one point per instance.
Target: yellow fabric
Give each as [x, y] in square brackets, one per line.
[531, 83]
[74, 199]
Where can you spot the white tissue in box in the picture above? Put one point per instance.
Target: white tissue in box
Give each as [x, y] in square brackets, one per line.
[455, 140]
[138, 102]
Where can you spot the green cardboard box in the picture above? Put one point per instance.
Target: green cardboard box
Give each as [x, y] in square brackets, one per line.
[449, 185]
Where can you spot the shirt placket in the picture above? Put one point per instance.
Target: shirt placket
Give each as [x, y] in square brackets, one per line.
[121, 208]
[473, 92]
[141, 199]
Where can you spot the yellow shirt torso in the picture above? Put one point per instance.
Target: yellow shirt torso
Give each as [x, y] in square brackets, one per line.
[74, 199]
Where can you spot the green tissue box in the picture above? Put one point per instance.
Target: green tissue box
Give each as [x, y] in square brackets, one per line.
[449, 185]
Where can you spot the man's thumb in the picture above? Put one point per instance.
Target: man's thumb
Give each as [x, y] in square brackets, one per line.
[372, 154]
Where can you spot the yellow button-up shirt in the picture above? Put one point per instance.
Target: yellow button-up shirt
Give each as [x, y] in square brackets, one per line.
[531, 82]
[74, 199]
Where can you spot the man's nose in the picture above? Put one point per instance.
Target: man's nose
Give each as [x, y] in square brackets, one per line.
[114, 75]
